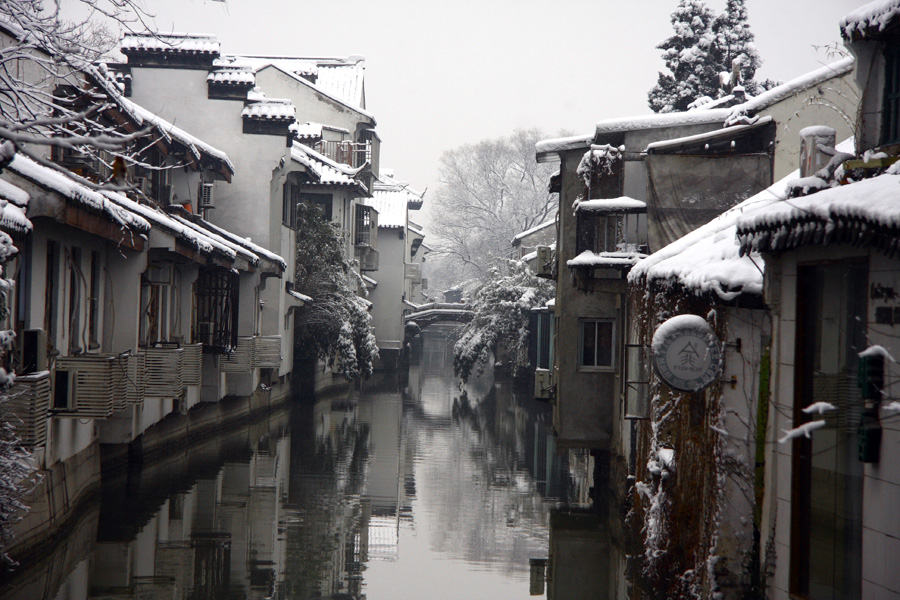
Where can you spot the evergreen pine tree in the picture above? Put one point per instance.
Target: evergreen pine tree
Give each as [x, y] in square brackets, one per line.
[734, 41]
[687, 56]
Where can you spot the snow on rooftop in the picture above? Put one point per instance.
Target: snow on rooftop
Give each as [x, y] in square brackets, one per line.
[246, 243]
[789, 88]
[342, 79]
[188, 43]
[827, 214]
[232, 76]
[391, 200]
[194, 144]
[621, 205]
[606, 259]
[659, 120]
[535, 229]
[307, 130]
[69, 188]
[872, 17]
[325, 170]
[547, 150]
[13, 201]
[708, 258]
[270, 108]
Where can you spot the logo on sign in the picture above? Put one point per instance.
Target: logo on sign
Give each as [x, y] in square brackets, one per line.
[686, 353]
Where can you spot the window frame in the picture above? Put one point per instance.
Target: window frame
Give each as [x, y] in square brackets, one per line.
[582, 323]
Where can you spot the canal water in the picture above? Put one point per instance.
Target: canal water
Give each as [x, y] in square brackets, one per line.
[411, 487]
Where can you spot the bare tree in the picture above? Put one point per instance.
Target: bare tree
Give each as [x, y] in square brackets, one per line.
[489, 193]
[46, 70]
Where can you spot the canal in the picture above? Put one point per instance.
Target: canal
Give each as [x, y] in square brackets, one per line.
[412, 487]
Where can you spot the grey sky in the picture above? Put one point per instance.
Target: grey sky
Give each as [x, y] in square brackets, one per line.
[443, 74]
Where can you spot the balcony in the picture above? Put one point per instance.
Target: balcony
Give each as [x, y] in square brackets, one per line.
[354, 154]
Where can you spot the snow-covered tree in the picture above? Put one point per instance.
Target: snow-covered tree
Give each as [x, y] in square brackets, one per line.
[489, 193]
[500, 323]
[335, 326]
[734, 44]
[706, 57]
[692, 73]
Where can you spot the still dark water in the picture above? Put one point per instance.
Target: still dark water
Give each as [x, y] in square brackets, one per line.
[410, 488]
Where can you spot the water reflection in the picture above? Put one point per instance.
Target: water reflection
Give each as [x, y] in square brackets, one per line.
[409, 488]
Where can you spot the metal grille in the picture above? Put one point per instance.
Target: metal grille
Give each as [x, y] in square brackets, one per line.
[842, 391]
[268, 351]
[164, 368]
[240, 360]
[217, 310]
[27, 408]
[192, 364]
[94, 390]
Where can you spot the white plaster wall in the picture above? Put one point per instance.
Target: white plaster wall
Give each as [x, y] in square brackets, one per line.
[387, 297]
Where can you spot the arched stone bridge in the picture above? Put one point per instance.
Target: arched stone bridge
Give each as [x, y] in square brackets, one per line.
[433, 312]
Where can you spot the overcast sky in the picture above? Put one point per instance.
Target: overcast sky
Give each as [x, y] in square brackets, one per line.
[443, 74]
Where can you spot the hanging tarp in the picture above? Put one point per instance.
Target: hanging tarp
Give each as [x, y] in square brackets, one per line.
[689, 191]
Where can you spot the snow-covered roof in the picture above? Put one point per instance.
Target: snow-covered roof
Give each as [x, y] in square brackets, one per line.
[619, 206]
[178, 43]
[789, 88]
[245, 243]
[194, 144]
[391, 198]
[341, 79]
[548, 150]
[870, 19]
[865, 213]
[369, 280]
[708, 258]
[710, 136]
[13, 201]
[518, 239]
[308, 130]
[270, 108]
[324, 170]
[238, 76]
[606, 259]
[416, 229]
[660, 120]
[104, 203]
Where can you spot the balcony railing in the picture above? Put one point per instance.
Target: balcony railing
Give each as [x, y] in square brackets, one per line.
[354, 154]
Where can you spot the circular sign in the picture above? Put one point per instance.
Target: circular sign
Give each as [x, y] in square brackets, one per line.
[686, 353]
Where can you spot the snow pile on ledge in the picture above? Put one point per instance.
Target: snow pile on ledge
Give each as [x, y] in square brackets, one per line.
[708, 258]
[872, 16]
[620, 206]
[232, 76]
[606, 259]
[13, 201]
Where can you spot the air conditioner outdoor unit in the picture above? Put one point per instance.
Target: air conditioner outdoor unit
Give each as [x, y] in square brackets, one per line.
[34, 351]
[206, 195]
[544, 265]
[543, 387]
[64, 387]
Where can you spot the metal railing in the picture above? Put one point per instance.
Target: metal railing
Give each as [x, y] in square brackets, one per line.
[354, 154]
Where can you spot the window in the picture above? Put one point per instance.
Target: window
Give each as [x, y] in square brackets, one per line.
[363, 235]
[51, 291]
[637, 381]
[890, 124]
[217, 310]
[93, 304]
[599, 233]
[75, 281]
[293, 196]
[596, 343]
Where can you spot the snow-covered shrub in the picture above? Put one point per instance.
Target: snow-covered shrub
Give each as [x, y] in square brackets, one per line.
[500, 324]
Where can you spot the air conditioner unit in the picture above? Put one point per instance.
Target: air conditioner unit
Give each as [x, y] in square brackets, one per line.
[205, 194]
[543, 386]
[544, 264]
[368, 259]
[161, 274]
